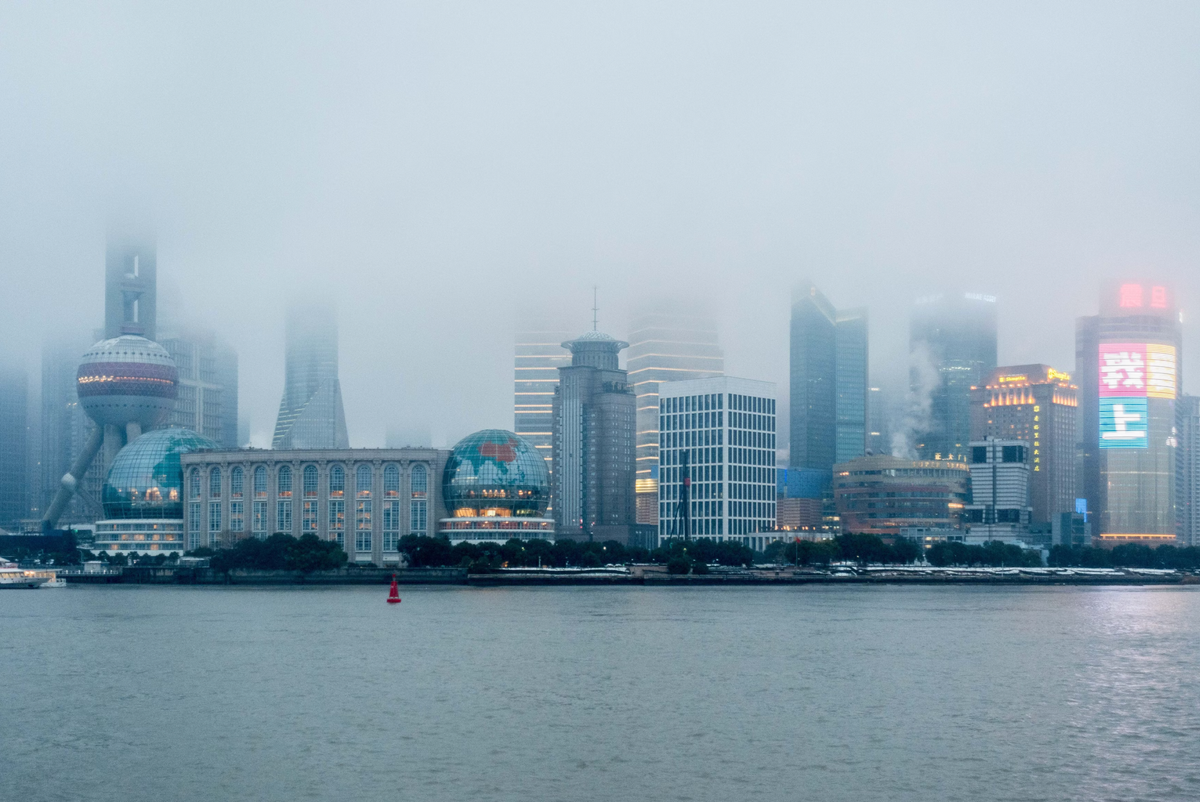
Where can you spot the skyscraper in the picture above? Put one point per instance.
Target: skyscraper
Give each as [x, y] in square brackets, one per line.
[666, 344]
[829, 389]
[14, 446]
[952, 340]
[538, 355]
[1039, 405]
[64, 430]
[1127, 361]
[208, 385]
[594, 408]
[130, 287]
[999, 507]
[311, 413]
[1187, 482]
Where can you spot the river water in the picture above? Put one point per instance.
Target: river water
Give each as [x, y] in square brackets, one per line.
[880, 693]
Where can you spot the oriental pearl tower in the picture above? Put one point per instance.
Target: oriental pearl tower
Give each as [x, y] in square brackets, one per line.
[127, 383]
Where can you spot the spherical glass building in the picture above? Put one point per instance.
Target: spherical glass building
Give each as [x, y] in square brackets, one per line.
[496, 486]
[127, 378]
[143, 493]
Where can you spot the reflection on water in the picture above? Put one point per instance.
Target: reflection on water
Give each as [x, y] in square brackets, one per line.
[785, 693]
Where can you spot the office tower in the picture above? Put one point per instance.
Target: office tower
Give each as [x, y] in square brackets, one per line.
[64, 430]
[1127, 361]
[717, 439]
[828, 385]
[593, 445]
[952, 343]
[665, 345]
[1039, 405]
[538, 355]
[208, 386]
[311, 413]
[999, 507]
[1187, 480]
[130, 287]
[14, 446]
[879, 434]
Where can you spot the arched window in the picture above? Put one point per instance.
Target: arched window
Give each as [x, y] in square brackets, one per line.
[337, 504]
[236, 480]
[362, 481]
[420, 479]
[362, 509]
[214, 482]
[418, 510]
[283, 502]
[194, 483]
[258, 519]
[391, 507]
[391, 481]
[308, 512]
[310, 481]
[285, 481]
[260, 482]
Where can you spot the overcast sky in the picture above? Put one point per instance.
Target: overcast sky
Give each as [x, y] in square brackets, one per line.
[435, 166]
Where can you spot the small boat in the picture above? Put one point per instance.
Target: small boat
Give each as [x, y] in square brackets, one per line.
[394, 593]
[56, 582]
[13, 576]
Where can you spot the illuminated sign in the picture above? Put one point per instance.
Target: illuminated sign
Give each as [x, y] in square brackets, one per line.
[1123, 423]
[1053, 374]
[1133, 296]
[1007, 379]
[1137, 370]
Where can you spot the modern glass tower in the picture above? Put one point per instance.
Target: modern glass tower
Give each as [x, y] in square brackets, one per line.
[1187, 478]
[665, 345]
[953, 335]
[311, 413]
[538, 355]
[14, 446]
[1127, 364]
[208, 386]
[828, 389]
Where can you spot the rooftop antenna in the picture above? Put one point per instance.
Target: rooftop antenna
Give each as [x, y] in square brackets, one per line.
[595, 309]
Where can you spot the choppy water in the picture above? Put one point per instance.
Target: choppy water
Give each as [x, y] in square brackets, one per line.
[140, 693]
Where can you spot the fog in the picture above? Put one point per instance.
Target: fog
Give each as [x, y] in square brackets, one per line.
[439, 168]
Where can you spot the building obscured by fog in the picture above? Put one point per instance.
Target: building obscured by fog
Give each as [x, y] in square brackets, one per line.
[311, 414]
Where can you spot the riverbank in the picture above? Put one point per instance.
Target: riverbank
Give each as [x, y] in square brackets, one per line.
[638, 575]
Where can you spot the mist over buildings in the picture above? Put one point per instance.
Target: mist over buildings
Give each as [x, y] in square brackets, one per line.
[438, 172]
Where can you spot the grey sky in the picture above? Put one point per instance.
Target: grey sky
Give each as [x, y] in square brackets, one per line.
[432, 166]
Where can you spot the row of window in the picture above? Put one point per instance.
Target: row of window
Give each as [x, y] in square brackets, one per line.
[363, 480]
[710, 401]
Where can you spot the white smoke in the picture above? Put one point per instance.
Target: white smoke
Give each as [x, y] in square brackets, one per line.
[915, 416]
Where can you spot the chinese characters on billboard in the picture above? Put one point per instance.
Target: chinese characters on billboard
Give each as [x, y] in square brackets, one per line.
[1130, 374]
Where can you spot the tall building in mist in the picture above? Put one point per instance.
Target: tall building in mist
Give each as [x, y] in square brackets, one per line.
[665, 345]
[594, 425]
[1037, 405]
[1187, 477]
[64, 427]
[1127, 364]
[130, 287]
[952, 342]
[311, 413]
[829, 390]
[538, 354]
[14, 446]
[208, 385]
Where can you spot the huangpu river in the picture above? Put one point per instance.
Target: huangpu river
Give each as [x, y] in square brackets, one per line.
[796, 693]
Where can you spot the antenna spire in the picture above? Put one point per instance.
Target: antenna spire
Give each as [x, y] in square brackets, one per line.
[595, 309]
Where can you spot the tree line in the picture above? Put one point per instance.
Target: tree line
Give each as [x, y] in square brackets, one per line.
[1126, 555]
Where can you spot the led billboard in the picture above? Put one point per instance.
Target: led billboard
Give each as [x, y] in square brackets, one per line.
[1137, 370]
[1124, 422]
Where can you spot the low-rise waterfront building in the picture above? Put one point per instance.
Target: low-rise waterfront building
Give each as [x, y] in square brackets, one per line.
[883, 495]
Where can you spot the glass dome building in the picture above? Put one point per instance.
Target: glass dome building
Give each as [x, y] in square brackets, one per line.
[496, 487]
[143, 493]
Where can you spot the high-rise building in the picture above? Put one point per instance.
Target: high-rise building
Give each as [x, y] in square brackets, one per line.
[130, 287]
[717, 443]
[311, 413]
[1187, 494]
[14, 446]
[1127, 361]
[538, 355]
[879, 434]
[999, 507]
[208, 386]
[1039, 405]
[665, 345]
[952, 342]
[63, 431]
[593, 447]
[828, 389]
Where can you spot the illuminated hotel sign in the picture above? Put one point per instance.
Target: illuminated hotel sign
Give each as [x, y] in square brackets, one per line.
[1130, 375]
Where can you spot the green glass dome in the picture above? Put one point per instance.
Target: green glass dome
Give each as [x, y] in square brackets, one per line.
[146, 478]
[495, 472]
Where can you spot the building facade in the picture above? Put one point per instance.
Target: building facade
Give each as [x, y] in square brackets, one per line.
[496, 488]
[1039, 405]
[829, 387]
[665, 346]
[593, 446]
[208, 386]
[539, 353]
[884, 495]
[14, 447]
[63, 431]
[1127, 365]
[952, 344]
[717, 439]
[1187, 494]
[364, 499]
[311, 413]
[999, 508]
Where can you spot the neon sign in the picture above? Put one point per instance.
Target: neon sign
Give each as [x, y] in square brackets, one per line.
[1123, 423]
[1137, 370]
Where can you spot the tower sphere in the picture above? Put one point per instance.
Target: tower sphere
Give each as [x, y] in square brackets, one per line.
[127, 379]
[496, 473]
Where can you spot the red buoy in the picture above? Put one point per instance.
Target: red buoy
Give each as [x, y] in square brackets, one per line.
[394, 593]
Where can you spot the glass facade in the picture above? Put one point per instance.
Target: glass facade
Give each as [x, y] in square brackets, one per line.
[146, 478]
[494, 473]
